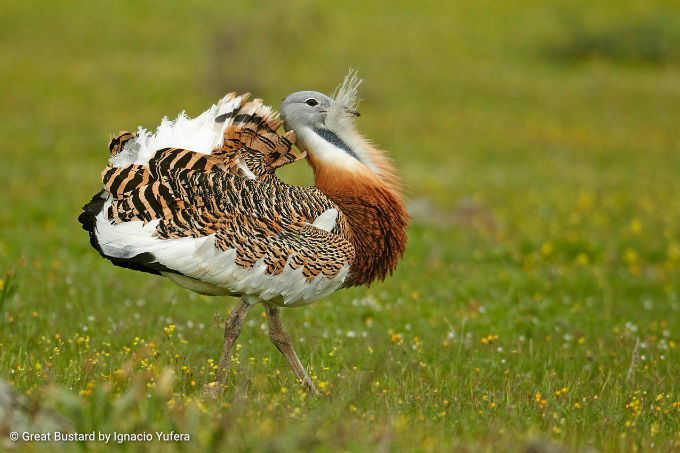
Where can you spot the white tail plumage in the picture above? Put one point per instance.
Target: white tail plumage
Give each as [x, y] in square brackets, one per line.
[198, 134]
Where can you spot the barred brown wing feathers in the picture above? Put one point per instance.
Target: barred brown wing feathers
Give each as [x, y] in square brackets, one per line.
[176, 158]
[270, 221]
[147, 202]
[140, 194]
[120, 180]
[261, 219]
[295, 244]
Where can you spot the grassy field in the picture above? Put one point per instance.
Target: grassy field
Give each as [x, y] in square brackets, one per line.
[541, 151]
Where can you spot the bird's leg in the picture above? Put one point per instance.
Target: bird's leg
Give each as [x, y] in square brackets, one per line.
[232, 329]
[281, 340]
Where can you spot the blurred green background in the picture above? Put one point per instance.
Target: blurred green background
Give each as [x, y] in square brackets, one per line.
[517, 103]
[540, 148]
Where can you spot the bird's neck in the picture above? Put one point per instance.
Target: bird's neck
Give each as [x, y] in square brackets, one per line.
[374, 211]
[327, 150]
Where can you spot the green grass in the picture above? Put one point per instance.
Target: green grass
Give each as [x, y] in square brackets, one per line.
[545, 240]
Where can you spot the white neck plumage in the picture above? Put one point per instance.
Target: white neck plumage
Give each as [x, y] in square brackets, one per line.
[347, 151]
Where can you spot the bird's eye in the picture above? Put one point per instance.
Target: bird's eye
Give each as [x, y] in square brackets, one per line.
[311, 102]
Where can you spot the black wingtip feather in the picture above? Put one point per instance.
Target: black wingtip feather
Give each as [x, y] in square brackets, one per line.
[145, 262]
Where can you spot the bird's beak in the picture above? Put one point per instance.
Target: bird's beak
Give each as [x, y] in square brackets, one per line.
[352, 112]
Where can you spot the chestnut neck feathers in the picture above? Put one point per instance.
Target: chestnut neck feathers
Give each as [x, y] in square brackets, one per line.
[375, 212]
[358, 177]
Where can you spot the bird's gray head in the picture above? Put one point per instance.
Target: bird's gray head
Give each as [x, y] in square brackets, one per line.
[310, 109]
[305, 109]
[324, 125]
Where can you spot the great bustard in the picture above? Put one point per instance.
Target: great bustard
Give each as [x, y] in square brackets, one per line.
[198, 202]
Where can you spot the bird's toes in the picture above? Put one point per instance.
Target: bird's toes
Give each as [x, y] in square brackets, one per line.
[212, 390]
[308, 385]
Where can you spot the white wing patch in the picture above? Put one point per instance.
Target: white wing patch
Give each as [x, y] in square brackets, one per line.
[208, 270]
[241, 164]
[326, 220]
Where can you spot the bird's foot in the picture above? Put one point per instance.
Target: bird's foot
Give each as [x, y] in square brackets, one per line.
[213, 390]
[308, 385]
